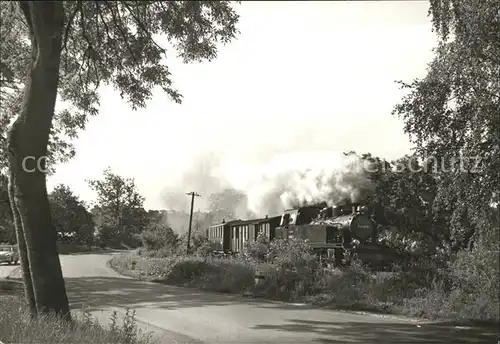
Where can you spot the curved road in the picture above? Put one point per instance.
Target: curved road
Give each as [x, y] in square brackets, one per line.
[181, 315]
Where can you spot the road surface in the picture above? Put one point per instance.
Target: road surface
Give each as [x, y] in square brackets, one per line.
[181, 315]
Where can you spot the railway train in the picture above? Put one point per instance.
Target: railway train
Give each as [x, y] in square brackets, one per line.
[334, 233]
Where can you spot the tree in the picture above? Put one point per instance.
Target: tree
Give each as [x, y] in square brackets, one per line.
[72, 221]
[228, 204]
[7, 233]
[120, 204]
[403, 200]
[15, 56]
[69, 49]
[452, 116]
[158, 235]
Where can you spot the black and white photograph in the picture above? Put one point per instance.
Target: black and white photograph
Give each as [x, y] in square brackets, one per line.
[247, 172]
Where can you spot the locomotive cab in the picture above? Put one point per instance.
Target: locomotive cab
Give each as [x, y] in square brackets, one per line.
[293, 219]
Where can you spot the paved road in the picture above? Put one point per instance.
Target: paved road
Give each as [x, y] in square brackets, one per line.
[187, 316]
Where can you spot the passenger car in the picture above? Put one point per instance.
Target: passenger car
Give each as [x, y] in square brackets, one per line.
[9, 254]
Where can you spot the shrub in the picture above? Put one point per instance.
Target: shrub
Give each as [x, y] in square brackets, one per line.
[351, 287]
[258, 250]
[214, 274]
[292, 269]
[475, 290]
[198, 244]
[204, 248]
[158, 238]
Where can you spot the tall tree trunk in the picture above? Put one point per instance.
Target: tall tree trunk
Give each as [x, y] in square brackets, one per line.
[28, 140]
[23, 253]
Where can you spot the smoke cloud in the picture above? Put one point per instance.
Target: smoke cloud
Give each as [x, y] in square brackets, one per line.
[200, 176]
[287, 181]
[299, 179]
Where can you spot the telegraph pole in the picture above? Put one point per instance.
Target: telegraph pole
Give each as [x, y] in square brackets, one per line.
[193, 195]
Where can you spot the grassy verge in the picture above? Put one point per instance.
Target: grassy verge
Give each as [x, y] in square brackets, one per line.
[343, 290]
[292, 274]
[16, 325]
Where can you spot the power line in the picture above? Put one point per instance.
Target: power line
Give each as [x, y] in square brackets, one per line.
[193, 195]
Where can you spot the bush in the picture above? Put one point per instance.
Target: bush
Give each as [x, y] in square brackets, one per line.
[467, 289]
[292, 268]
[228, 276]
[158, 238]
[258, 250]
[475, 290]
[198, 244]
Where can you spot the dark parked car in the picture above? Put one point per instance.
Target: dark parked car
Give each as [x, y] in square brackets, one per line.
[9, 254]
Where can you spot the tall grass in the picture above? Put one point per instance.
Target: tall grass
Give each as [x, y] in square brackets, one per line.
[17, 326]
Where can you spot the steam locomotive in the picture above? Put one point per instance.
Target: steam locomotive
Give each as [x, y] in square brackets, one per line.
[334, 233]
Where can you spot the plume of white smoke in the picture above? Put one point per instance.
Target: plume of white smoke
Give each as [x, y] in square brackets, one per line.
[199, 176]
[204, 176]
[287, 181]
[297, 179]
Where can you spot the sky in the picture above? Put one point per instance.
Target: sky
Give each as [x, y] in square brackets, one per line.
[300, 77]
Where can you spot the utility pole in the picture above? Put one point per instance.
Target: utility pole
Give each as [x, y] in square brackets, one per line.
[193, 195]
